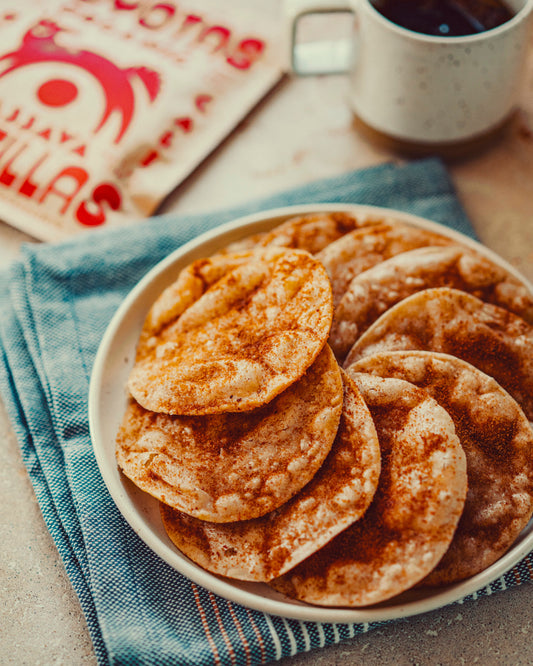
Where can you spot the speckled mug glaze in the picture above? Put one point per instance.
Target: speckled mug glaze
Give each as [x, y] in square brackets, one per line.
[432, 90]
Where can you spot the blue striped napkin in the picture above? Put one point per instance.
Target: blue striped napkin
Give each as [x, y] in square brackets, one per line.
[56, 302]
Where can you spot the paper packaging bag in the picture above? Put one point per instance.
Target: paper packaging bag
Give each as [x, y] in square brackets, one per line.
[106, 105]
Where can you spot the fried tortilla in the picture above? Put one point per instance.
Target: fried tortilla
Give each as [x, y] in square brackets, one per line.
[415, 511]
[248, 337]
[376, 290]
[192, 282]
[450, 321]
[498, 442]
[306, 232]
[236, 466]
[267, 547]
[361, 249]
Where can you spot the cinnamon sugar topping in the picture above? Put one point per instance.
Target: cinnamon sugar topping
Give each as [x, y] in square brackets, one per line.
[411, 467]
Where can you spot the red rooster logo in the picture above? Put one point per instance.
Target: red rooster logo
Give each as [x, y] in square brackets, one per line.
[39, 45]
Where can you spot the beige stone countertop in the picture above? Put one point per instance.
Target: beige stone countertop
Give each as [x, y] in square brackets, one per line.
[302, 131]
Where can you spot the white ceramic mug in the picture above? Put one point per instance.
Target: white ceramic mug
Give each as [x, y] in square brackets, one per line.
[415, 88]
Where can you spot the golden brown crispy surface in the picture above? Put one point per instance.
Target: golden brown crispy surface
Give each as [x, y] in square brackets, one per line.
[192, 282]
[491, 338]
[376, 290]
[498, 442]
[306, 232]
[359, 250]
[235, 422]
[266, 547]
[228, 467]
[247, 338]
[412, 518]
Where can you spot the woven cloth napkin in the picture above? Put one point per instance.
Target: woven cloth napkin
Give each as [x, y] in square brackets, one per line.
[56, 302]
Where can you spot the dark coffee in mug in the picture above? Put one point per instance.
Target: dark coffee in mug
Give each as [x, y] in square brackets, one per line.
[445, 18]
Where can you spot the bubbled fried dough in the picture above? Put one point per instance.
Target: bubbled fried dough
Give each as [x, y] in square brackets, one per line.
[359, 250]
[192, 282]
[235, 466]
[498, 442]
[412, 518]
[267, 547]
[450, 321]
[377, 289]
[247, 338]
[306, 232]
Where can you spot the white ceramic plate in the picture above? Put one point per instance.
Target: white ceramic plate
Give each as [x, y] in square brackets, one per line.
[107, 402]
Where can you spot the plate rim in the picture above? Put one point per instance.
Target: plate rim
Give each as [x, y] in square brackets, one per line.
[237, 591]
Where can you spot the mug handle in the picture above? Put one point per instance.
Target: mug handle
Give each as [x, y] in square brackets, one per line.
[319, 57]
